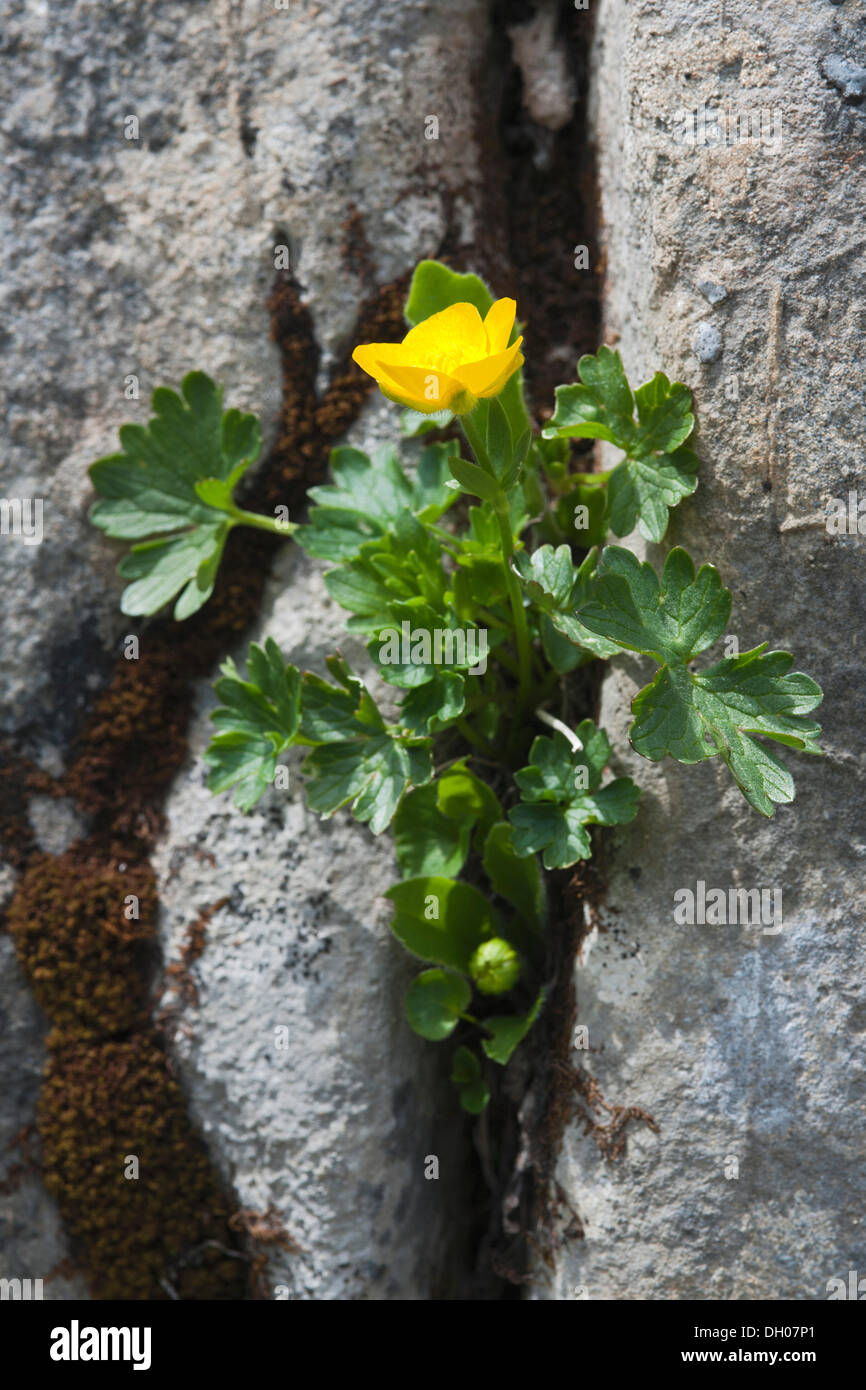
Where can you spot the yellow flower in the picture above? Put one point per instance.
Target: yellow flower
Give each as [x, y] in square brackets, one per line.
[449, 361]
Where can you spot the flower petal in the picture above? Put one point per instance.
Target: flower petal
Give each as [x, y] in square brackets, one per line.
[456, 332]
[420, 388]
[369, 356]
[482, 377]
[497, 385]
[498, 324]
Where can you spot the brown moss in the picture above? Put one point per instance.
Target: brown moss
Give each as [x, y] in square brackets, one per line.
[164, 1233]
[179, 972]
[266, 1233]
[84, 956]
[18, 780]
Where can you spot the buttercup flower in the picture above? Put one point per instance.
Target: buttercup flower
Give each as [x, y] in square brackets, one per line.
[449, 361]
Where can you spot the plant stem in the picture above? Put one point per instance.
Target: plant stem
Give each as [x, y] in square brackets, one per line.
[599, 478]
[263, 523]
[518, 612]
[476, 444]
[515, 598]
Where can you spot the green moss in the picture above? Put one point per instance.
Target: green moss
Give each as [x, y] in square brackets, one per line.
[85, 958]
[102, 1102]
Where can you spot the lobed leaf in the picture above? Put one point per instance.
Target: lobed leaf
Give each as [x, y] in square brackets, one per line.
[691, 715]
[657, 472]
[257, 721]
[177, 474]
[561, 794]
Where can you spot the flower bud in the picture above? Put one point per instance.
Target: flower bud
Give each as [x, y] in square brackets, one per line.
[495, 966]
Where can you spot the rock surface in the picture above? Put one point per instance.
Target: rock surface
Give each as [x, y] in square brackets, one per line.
[745, 1045]
[160, 161]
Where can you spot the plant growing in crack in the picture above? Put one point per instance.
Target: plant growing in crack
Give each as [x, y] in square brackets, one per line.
[467, 557]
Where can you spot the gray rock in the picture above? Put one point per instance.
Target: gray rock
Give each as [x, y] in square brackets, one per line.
[707, 343]
[132, 260]
[154, 156]
[745, 1046]
[848, 76]
[56, 823]
[712, 292]
[548, 86]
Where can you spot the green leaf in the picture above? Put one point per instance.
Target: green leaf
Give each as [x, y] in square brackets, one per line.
[514, 878]
[602, 407]
[405, 565]
[433, 706]
[499, 443]
[479, 580]
[428, 843]
[175, 475]
[434, 1002]
[562, 654]
[463, 796]
[695, 715]
[358, 760]
[657, 472]
[440, 919]
[642, 491]
[466, 1074]
[420, 644]
[257, 721]
[585, 531]
[435, 287]
[465, 1067]
[475, 1097]
[508, 1032]
[474, 480]
[561, 794]
[369, 495]
[558, 589]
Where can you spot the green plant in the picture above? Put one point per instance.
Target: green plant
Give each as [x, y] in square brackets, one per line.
[467, 558]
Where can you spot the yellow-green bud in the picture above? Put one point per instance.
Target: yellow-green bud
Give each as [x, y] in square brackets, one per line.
[495, 966]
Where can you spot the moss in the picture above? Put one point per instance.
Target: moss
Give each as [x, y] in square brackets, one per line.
[17, 779]
[85, 958]
[164, 1233]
